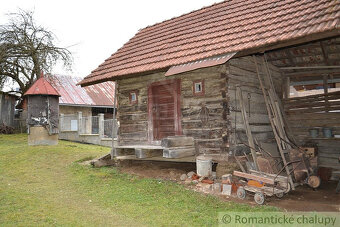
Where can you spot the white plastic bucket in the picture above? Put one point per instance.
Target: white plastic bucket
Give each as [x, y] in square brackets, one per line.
[204, 166]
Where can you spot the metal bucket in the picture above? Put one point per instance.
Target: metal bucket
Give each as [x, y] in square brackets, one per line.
[204, 166]
[327, 132]
[314, 132]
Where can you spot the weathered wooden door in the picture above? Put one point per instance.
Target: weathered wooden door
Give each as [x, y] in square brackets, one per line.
[164, 109]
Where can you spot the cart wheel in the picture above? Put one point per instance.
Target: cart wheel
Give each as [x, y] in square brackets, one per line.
[279, 195]
[289, 187]
[241, 193]
[259, 198]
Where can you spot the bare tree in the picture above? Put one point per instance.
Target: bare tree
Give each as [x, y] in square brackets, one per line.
[26, 49]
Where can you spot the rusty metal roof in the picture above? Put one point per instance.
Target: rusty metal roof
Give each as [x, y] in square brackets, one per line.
[42, 87]
[226, 27]
[72, 94]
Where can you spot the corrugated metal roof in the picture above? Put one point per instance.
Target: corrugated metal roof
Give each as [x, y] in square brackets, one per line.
[208, 62]
[42, 87]
[72, 94]
[226, 27]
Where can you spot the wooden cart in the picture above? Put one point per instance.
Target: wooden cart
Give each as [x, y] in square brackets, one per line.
[271, 184]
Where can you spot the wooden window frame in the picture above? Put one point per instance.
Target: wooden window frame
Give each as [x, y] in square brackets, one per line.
[133, 102]
[202, 92]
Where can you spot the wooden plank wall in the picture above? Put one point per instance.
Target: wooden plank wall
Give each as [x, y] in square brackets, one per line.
[305, 113]
[242, 71]
[207, 127]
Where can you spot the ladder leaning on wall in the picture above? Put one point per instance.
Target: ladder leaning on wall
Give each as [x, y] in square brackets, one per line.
[275, 114]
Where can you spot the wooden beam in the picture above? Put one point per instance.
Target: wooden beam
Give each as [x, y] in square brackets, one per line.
[239, 164]
[114, 125]
[311, 67]
[286, 88]
[325, 89]
[324, 53]
[263, 179]
[290, 56]
[300, 51]
[317, 72]
[309, 82]
[313, 97]
[289, 43]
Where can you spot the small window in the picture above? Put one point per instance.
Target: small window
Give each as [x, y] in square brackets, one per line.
[133, 97]
[198, 87]
[74, 125]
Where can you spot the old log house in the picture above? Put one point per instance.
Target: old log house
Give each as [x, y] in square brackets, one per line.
[178, 79]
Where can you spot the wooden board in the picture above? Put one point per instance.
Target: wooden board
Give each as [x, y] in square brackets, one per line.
[268, 191]
[254, 177]
[159, 158]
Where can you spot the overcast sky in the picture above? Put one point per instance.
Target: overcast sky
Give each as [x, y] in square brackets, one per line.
[93, 30]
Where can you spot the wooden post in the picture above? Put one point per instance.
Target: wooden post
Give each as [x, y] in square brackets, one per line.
[325, 89]
[114, 125]
[286, 89]
[247, 126]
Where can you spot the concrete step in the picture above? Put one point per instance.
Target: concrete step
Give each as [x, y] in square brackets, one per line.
[179, 152]
[147, 153]
[177, 141]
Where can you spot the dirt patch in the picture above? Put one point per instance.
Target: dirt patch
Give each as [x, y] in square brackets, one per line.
[303, 198]
[158, 170]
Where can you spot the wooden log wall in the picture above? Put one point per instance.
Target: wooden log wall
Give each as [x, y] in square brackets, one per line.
[209, 118]
[242, 72]
[202, 117]
[133, 118]
[323, 110]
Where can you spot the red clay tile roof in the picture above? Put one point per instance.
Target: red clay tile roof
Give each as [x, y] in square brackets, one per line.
[42, 87]
[225, 27]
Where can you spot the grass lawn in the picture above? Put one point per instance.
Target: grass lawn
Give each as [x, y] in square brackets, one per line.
[45, 185]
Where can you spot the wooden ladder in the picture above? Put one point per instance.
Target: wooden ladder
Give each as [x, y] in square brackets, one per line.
[275, 114]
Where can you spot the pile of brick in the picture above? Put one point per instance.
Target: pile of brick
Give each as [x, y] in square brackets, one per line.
[224, 185]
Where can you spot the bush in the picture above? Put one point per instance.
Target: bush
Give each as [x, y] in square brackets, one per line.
[4, 129]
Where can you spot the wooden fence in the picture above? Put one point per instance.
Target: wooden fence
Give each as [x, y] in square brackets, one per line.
[316, 112]
[314, 103]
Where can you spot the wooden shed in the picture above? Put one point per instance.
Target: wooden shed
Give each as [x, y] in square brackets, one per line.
[7, 107]
[42, 113]
[199, 77]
